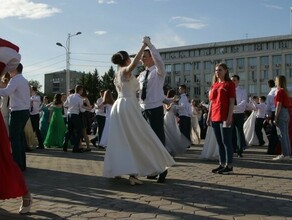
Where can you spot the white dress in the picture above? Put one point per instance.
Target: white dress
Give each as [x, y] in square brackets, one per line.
[175, 142]
[249, 130]
[133, 147]
[5, 111]
[195, 129]
[210, 149]
[105, 132]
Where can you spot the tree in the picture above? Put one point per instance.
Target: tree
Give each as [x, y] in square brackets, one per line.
[92, 84]
[35, 83]
[108, 82]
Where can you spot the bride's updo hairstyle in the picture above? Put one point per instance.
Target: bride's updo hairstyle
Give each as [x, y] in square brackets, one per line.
[120, 58]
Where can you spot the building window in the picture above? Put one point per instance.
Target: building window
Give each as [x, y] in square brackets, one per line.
[264, 62]
[252, 62]
[242, 76]
[177, 69]
[288, 59]
[168, 68]
[265, 88]
[277, 60]
[264, 75]
[229, 63]
[177, 80]
[197, 65]
[207, 65]
[240, 63]
[252, 89]
[289, 73]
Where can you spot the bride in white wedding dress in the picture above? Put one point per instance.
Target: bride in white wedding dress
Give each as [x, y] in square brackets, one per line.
[133, 148]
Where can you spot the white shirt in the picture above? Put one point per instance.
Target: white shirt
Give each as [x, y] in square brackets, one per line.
[270, 101]
[184, 107]
[241, 100]
[35, 104]
[261, 109]
[99, 108]
[74, 103]
[19, 91]
[154, 92]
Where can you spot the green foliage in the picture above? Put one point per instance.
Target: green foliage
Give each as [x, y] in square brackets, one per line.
[35, 83]
[94, 83]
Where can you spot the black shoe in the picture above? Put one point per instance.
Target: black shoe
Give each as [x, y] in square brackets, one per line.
[93, 143]
[239, 153]
[227, 170]
[152, 177]
[262, 144]
[101, 147]
[162, 176]
[218, 169]
[40, 147]
[80, 150]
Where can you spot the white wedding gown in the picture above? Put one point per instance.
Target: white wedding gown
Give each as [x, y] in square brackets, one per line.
[133, 148]
[105, 133]
[210, 149]
[175, 142]
[249, 131]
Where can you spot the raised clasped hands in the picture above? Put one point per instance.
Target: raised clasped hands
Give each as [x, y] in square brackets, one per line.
[146, 40]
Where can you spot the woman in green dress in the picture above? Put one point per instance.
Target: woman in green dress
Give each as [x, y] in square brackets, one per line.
[57, 128]
[44, 121]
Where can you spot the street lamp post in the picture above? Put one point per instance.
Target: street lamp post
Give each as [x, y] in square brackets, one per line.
[67, 48]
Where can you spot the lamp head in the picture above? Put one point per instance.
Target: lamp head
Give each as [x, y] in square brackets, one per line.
[59, 44]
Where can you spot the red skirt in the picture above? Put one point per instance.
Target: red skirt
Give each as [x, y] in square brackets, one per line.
[12, 183]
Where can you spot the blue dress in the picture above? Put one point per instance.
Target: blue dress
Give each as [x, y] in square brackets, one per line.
[44, 121]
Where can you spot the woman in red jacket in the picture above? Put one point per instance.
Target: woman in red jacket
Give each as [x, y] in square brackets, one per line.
[282, 117]
[220, 116]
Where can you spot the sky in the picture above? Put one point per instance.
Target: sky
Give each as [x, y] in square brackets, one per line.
[108, 26]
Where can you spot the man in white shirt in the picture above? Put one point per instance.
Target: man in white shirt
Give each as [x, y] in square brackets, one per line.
[239, 143]
[273, 137]
[260, 117]
[18, 90]
[151, 92]
[184, 111]
[74, 103]
[100, 118]
[35, 108]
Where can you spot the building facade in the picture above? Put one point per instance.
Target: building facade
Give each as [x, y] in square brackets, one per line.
[255, 60]
[56, 82]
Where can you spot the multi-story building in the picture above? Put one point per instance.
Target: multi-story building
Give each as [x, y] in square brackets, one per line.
[254, 60]
[56, 82]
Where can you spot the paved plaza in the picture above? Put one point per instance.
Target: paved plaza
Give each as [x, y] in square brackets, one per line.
[69, 185]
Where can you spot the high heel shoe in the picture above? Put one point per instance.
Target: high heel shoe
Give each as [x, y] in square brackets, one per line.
[25, 209]
[134, 181]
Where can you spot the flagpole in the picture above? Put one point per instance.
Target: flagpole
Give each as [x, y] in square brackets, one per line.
[290, 20]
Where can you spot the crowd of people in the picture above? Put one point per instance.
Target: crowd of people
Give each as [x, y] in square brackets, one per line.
[144, 129]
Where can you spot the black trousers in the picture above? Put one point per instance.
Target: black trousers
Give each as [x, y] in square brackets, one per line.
[273, 137]
[74, 131]
[238, 139]
[259, 123]
[155, 117]
[185, 126]
[35, 122]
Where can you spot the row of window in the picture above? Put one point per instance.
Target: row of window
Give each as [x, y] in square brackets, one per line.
[230, 49]
[252, 63]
